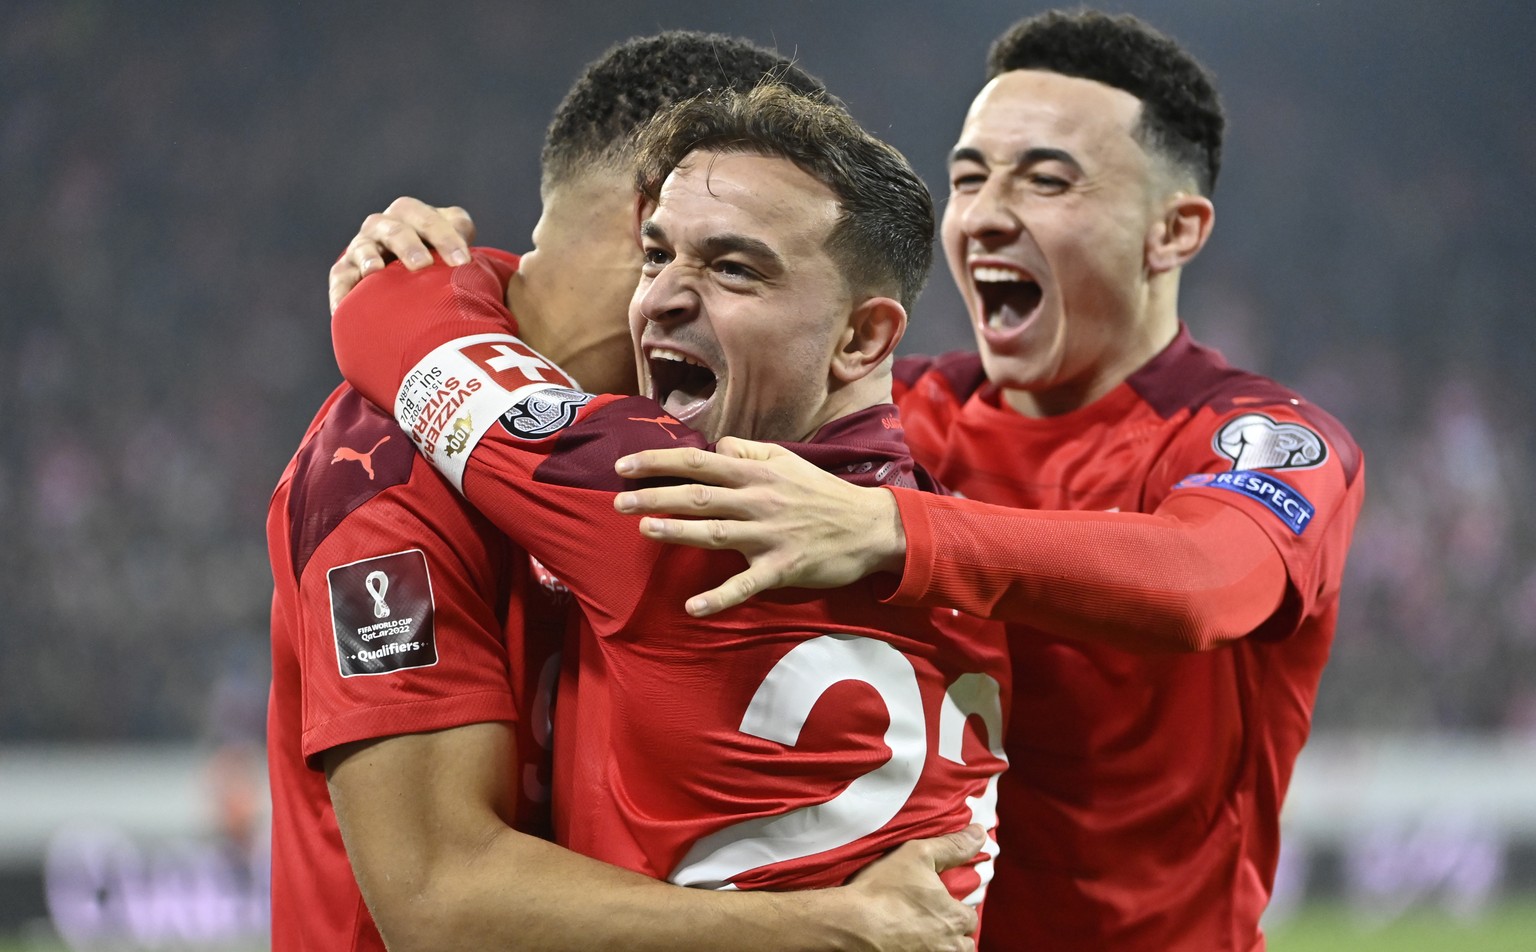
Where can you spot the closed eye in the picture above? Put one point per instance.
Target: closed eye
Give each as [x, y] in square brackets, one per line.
[735, 270]
[967, 181]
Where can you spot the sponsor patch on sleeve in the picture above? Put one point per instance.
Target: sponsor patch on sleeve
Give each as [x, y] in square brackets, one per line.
[455, 393]
[544, 413]
[381, 611]
[1290, 506]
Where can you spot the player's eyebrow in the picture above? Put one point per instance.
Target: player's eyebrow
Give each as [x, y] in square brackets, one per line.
[965, 153]
[716, 245]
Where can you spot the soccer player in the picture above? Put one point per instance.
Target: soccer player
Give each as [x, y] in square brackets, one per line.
[1166, 534]
[793, 743]
[412, 643]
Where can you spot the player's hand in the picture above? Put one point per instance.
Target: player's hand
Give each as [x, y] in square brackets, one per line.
[409, 229]
[796, 524]
[908, 904]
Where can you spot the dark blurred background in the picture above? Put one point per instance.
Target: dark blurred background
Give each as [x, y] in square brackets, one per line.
[176, 178]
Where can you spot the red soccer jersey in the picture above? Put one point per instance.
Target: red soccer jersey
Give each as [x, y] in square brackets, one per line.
[1141, 811]
[784, 744]
[397, 609]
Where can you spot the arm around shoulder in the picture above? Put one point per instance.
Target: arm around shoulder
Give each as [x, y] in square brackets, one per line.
[1190, 577]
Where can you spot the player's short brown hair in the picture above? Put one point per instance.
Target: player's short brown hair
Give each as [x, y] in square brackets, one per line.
[883, 238]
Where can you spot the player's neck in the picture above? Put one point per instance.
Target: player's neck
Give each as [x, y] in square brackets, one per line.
[586, 335]
[849, 398]
[1153, 328]
[571, 294]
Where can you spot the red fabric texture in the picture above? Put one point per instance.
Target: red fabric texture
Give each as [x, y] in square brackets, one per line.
[356, 490]
[1141, 807]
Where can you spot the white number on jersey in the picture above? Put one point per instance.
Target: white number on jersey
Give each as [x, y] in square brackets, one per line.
[778, 712]
[980, 695]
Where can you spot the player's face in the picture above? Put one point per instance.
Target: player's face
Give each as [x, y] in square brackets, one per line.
[1051, 202]
[739, 306]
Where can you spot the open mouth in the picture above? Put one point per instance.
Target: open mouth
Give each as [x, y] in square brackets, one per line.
[1009, 296]
[680, 383]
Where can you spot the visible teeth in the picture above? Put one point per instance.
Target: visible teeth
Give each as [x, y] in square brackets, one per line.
[988, 274]
[662, 353]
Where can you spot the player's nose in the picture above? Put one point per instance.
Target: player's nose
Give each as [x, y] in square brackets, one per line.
[669, 296]
[989, 215]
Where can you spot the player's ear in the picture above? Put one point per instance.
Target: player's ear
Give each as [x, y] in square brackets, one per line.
[874, 328]
[1180, 233]
[644, 206]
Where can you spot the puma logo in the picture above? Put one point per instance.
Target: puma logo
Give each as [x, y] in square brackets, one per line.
[346, 452]
[661, 421]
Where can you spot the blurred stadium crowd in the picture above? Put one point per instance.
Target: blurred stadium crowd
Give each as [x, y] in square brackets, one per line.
[175, 179]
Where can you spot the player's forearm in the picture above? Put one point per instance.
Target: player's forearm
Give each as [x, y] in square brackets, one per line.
[1188, 579]
[423, 819]
[527, 894]
[394, 318]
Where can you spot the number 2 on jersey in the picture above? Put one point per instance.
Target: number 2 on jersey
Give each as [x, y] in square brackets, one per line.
[778, 711]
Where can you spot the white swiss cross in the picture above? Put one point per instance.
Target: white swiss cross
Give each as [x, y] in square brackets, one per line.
[528, 364]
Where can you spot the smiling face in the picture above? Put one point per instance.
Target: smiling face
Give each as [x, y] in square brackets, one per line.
[1052, 202]
[740, 308]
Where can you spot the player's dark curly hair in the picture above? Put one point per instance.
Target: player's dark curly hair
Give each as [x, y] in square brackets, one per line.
[1181, 114]
[629, 83]
[883, 239]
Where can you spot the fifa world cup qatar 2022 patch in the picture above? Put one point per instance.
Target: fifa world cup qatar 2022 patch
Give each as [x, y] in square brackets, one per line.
[381, 610]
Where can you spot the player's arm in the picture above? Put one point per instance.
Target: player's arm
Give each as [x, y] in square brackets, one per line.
[438, 349]
[1191, 576]
[387, 324]
[425, 818]
[409, 230]
[797, 524]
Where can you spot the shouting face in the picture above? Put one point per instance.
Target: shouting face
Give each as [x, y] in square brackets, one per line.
[740, 307]
[1052, 202]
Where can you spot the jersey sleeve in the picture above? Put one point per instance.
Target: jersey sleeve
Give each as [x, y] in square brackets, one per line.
[445, 596]
[1136, 581]
[393, 318]
[393, 597]
[1207, 565]
[1288, 467]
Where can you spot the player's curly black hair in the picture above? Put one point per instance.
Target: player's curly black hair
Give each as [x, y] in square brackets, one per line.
[1181, 113]
[883, 238]
[620, 90]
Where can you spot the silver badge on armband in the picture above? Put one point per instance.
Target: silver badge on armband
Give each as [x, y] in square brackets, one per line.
[544, 413]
